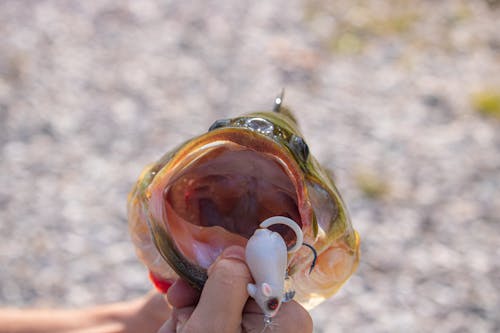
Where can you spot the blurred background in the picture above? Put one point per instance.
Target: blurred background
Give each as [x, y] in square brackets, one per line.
[400, 98]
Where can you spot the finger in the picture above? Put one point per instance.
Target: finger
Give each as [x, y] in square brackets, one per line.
[291, 317]
[181, 294]
[168, 327]
[224, 295]
[181, 316]
[156, 307]
[177, 321]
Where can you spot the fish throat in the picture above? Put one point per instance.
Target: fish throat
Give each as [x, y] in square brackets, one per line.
[225, 191]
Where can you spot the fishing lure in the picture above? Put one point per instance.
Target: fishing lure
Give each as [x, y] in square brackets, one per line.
[266, 255]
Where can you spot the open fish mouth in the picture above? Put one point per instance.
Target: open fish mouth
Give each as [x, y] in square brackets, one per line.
[214, 190]
[217, 195]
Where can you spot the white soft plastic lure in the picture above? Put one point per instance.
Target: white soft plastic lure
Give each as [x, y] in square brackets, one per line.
[266, 256]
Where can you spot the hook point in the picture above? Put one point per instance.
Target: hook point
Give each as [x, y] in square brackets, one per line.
[279, 100]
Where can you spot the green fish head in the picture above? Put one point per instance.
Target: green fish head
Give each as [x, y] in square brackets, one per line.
[213, 191]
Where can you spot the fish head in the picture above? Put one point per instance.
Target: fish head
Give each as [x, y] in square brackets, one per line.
[214, 190]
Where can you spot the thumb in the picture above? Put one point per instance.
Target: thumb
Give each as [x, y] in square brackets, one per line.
[224, 294]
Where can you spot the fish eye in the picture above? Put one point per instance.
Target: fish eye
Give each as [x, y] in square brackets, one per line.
[272, 304]
[260, 125]
[299, 147]
[219, 123]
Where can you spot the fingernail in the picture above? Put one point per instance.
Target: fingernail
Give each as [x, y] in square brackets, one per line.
[233, 252]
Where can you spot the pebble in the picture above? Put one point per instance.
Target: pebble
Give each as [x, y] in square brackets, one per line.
[90, 92]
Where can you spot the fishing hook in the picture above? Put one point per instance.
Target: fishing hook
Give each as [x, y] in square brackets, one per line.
[315, 256]
[278, 101]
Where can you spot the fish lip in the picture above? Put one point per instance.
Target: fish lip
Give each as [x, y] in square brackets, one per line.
[189, 154]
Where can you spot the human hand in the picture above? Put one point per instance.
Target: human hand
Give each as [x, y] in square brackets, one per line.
[224, 307]
[144, 315]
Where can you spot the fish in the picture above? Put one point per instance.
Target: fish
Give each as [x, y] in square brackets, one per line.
[213, 191]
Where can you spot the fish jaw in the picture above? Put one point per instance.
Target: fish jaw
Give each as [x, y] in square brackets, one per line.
[157, 199]
[189, 202]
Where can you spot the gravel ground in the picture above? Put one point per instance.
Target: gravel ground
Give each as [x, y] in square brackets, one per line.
[91, 91]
